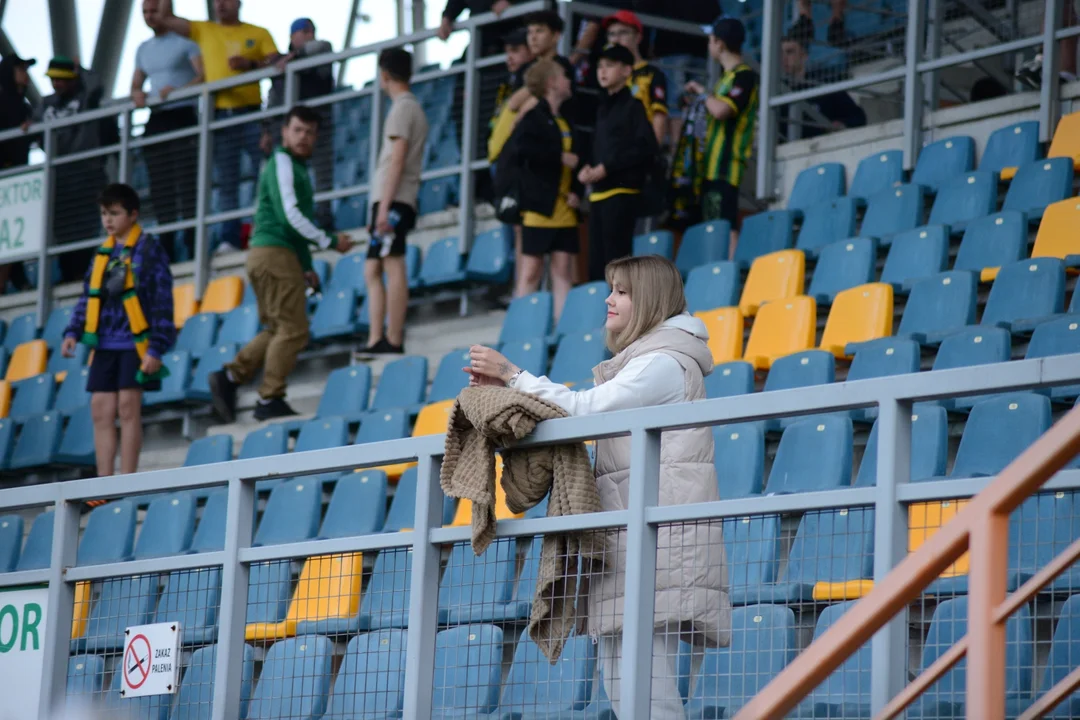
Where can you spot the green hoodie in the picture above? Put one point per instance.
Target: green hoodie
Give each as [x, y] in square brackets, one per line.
[286, 207]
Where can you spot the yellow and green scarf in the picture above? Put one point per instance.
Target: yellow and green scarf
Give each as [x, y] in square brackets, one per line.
[140, 330]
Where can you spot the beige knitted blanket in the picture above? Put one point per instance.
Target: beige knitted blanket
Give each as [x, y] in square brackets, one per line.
[486, 418]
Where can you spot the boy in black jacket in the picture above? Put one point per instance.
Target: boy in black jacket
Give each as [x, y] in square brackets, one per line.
[624, 149]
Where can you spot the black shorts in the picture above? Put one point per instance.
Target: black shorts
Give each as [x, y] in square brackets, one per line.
[406, 222]
[720, 201]
[115, 370]
[538, 242]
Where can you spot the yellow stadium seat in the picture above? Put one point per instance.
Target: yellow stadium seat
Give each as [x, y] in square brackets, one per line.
[858, 314]
[28, 360]
[781, 328]
[328, 589]
[1066, 142]
[223, 294]
[838, 591]
[184, 303]
[1059, 230]
[725, 326]
[432, 420]
[463, 516]
[5, 398]
[82, 609]
[925, 519]
[772, 277]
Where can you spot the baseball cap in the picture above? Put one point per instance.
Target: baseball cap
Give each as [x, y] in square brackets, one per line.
[624, 17]
[728, 29]
[301, 24]
[516, 37]
[617, 53]
[14, 59]
[62, 67]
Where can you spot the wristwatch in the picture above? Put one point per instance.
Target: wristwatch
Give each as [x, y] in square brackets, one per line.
[513, 379]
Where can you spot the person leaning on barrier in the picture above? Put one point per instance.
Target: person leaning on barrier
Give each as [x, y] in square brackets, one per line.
[661, 358]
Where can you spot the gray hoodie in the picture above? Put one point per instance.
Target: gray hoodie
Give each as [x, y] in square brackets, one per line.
[87, 95]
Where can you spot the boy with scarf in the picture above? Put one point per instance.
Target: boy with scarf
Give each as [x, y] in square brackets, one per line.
[126, 315]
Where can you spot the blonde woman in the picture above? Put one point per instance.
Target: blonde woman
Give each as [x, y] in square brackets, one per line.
[661, 358]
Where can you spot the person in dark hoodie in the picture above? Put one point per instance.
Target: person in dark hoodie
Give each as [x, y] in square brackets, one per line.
[624, 148]
[15, 112]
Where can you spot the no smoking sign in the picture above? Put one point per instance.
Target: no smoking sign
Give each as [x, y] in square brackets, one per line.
[151, 660]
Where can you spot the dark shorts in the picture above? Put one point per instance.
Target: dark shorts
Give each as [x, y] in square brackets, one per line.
[115, 370]
[405, 225]
[541, 241]
[720, 201]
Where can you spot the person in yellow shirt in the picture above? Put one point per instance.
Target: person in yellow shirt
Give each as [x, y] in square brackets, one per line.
[229, 48]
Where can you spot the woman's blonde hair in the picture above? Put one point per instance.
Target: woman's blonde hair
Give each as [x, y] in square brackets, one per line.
[539, 75]
[656, 294]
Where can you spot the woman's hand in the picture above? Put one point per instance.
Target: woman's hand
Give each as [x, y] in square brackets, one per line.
[488, 363]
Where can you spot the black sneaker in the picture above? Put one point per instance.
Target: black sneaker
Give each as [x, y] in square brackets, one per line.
[381, 348]
[275, 408]
[223, 395]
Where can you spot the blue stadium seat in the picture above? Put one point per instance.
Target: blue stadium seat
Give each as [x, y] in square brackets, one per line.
[529, 355]
[7, 442]
[379, 425]
[249, 299]
[77, 443]
[151, 707]
[740, 459]
[264, 442]
[195, 699]
[946, 697]
[814, 454]
[212, 360]
[174, 387]
[358, 505]
[109, 534]
[491, 258]
[11, 537]
[349, 275]
[998, 430]
[965, 198]
[85, 675]
[292, 513]
[826, 223]
[1026, 293]
[121, 603]
[576, 357]
[443, 264]
[33, 396]
[437, 195]
[519, 606]
[843, 265]
[752, 547]
[941, 161]
[402, 384]
[660, 243]
[1038, 184]
[192, 598]
[915, 255]
[168, 527]
[385, 602]
[527, 318]
[939, 306]
[846, 692]
[351, 213]
[810, 367]
[704, 243]
[20, 330]
[1057, 337]
[371, 680]
[55, 325]
[1040, 529]
[295, 680]
[72, 394]
[210, 534]
[970, 347]
[346, 393]
[38, 441]
[535, 688]
[1064, 647]
[1011, 146]
[893, 211]
[764, 233]
[209, 450]
[413, 261]
[401, 515]
[585, 310]
[239, 326]
[816, 185]
[890, 356]
[60, 364]
[877, 173]
[336, 315]
[713, 286]
[269, 589]
[991, 242]
[468, 668]
[473, 585]
[37, 552]
[730, 379]
[198, 334]
[450, 378]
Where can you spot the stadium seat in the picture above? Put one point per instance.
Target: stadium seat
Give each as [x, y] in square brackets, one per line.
[358, 505]
[576, 357]
[38, 441]
[328, 589]
[877, 173]
[349, 275]
[725, 328]
[198, 334]
[1026, 293]
[184, 303]
[946, 698]
[443, 264]
[150, 707]
[890, 356]
[239, 326]
[435, 195]
[468, 668]
[37, 551]
[893, 211]
[213, 360]
[491, 258]
[379, 425]
[27, 360]
[814, 454]
[1040, 529]
[712, 286]
[660, 243]
[536, 688]
[775, 276]
[292, 513]
[22, 329]
[843, 265]
[702, 244]
[519, 606]
[59, 366]
[222, 294]
[77, 442]
[210, 533]
[1057, 232]
[764, 233]
[1064, 647]
[402, 384]
[858, 314]
[941, 161]
[85, 675]
[463, 513]
[174, 387]
[811, 367]
[5, 398]
[938, 306]
[752, 548]
[992, 241]
[585, 311]
[33, 396]
[825, 224]
[346, 393]
[472, 585]
[55, 325]
[529, 355]
[527, 318]
[120, 603]
[1057, 337]
[195, 699]
[965, 198]
[740, 459]
[11, 537]
[269, 586]
[997, 431]
[433, 419]
[970, 347]
[264, 442]
[72, 393]
[816, 185]
[336, 315]
[351, 213]
[371, 679]
[192, 598]
[449, 378]
[1066, 140]
[1009, 147]
[915, 255]
[730, 379]
[846, 692]
[295, 680]
[1039, 184]
[781, 328]
[385, 600]
[7, 442]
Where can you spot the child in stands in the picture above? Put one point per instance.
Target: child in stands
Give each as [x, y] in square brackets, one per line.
[126, 315]
[544, 29]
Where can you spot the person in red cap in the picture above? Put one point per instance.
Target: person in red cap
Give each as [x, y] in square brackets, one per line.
[647, 83]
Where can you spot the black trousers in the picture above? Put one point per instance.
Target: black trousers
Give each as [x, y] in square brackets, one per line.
[611, 231]
[173, 169]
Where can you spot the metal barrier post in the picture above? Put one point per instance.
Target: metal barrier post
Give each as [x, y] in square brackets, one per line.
[935, 16]
[471, 113]
[61, 608]
[766, 152]
[913, 98]
[44, 286]
[1050, 91]
[203, 183]
[888, 667]
[124, 167]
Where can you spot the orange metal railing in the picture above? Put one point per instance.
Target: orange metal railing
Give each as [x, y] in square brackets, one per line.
[982, 529]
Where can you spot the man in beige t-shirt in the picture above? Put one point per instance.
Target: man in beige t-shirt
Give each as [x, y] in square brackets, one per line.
[393, 212]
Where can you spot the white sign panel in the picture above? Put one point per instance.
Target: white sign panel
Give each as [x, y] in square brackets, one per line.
[151, 661]
[22, 211]
[22, 654]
